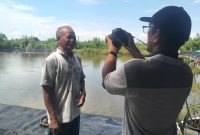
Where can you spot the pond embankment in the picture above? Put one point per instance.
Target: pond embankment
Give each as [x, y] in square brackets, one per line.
[17, 120]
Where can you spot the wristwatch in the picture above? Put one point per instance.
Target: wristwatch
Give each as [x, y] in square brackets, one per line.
[113, 53]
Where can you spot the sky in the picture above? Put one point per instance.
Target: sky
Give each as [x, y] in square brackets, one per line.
[88, 18]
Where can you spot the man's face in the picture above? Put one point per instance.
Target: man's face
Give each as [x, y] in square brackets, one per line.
[68, 40]
[152, 38]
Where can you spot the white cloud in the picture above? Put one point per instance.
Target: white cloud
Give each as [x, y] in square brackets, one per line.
[193, 34]
[21, 7]
[90, 2]
[16, 6]
[150, 11]
[196, 1]
[89, 30]
[86, 34]
[196, 18]
[19, 20]
[126, 1]
[16, 22]
[143, 37]
[16, 34]
[155, 9]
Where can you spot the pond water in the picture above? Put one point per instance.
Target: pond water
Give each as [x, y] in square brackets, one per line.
[20, 77]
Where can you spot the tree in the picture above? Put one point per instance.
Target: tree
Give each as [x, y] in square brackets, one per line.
[192, 44]
[4, 43]
[3, 37]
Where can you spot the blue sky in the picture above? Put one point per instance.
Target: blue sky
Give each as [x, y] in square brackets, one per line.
[89, 18]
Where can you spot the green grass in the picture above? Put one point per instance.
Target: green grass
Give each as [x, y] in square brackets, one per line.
[104, 51]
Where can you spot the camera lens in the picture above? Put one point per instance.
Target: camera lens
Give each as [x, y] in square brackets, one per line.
[119, 37]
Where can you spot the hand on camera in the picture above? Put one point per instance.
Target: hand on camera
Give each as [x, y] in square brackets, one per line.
[111, 47]
[131, 44]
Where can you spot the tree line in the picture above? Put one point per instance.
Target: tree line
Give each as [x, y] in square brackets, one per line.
[31, 43]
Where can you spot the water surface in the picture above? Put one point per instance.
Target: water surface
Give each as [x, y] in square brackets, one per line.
[20, 78]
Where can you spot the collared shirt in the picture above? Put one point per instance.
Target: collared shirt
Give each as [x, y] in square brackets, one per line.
[155, 91]
[63, 74]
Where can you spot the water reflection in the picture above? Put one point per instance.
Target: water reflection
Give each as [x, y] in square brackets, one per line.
[20, 77]
[93, 60]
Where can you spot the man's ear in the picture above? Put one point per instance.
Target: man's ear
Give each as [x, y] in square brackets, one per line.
[156, 37]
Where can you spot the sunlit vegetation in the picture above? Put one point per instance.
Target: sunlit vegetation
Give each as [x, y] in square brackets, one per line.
[93, 46]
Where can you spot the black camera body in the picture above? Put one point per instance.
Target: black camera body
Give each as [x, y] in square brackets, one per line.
[119, 37]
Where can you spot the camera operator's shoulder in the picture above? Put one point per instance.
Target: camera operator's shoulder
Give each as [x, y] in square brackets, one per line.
[136, 62]
[136, 65]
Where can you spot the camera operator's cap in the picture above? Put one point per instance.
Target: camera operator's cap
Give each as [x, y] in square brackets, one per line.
[172, 21]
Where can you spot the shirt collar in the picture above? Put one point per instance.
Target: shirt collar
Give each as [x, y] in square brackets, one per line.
[166, 59]
[59, 51]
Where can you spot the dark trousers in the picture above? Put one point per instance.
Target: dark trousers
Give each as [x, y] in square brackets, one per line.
[70, 128]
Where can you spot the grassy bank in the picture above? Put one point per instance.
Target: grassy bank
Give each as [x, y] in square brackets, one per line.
[104, 51]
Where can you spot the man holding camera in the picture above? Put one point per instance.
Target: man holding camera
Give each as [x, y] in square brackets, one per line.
[155, 88]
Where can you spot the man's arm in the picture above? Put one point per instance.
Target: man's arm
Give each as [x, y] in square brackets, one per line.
[109, 65]
[131, 47]
[47, 94]
[135, 53]
[110, 62]
[111, 59]
[81, 99]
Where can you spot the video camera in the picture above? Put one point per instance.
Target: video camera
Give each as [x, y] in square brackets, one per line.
[119, 37]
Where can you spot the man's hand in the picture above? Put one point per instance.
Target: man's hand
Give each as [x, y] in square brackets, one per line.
[54, 125]
[81, 99]
[131, 47]
[111, 47]
[131, 44]
[47, 94]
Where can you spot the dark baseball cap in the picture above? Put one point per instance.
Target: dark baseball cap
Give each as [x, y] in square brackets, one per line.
[172, 21]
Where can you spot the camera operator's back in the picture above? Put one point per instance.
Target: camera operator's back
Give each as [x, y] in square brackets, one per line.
[156, 91]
